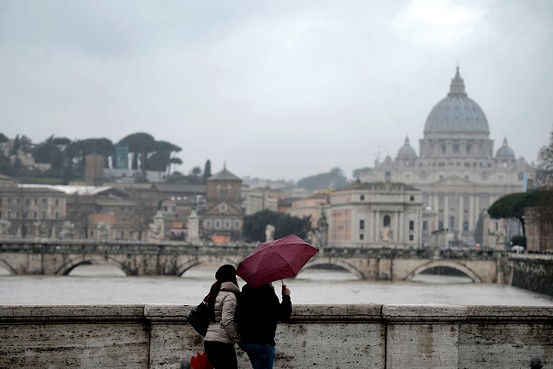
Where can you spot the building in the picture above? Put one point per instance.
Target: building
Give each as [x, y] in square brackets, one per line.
[260, 198]
[456, 169]
[32, 211]
[223, 218]
[94, 169]
[312, 206]
[375, 215]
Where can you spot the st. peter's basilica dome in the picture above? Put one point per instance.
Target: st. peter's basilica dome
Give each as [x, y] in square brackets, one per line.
[457, 113]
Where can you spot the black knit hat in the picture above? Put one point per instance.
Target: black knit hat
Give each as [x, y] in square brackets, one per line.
[226, 273]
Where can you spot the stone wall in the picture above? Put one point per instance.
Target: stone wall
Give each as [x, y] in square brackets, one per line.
[533, 272]
[323, 336]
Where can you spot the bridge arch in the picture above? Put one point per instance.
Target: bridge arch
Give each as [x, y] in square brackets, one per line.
[444, 263]
[73, 263]
[350, 268]
[198, 260]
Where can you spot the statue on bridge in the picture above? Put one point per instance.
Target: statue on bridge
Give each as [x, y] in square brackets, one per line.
[103, 230]
[5, 227]
[41, 229]
[67, 230]
[157, 227]
[386, 234]
[269, 232]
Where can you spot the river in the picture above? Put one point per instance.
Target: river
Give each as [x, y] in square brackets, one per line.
[91, 285]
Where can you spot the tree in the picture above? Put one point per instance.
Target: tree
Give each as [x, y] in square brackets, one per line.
[510, 206]
[142, 215]
[285, 224]
[161, 158]
[52, 151]
[79, 209]
[331, 180]
[207, 170]
[140, 145]
[544, 173]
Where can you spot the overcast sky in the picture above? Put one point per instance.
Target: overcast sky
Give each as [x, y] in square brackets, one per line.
[276, 89]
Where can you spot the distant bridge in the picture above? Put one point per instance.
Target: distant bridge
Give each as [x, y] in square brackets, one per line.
[54, 257]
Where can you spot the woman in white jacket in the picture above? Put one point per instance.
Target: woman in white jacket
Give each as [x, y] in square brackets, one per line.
[222, 332]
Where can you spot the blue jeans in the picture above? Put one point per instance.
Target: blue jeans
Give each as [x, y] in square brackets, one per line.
[261, 356]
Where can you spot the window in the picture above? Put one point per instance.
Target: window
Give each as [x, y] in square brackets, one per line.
[440, 225]
[386, 221]
[362, 224]
[217, 224]
[452, 222]
[362, 197]
[223, 192]
[412, 198]
[227, 223]
[411, 225]
[361, 236]
[237, 224]
[465, 226]
[425, 225]
[411, 237]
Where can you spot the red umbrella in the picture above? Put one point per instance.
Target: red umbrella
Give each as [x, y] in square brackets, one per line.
[274, 260]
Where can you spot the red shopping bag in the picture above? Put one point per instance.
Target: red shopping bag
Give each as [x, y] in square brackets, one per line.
[200, 361]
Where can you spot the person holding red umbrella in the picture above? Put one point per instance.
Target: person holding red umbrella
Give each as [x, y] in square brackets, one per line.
[259, 311]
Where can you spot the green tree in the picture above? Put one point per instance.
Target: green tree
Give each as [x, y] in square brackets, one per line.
[161, 158]
[509, 207]
[207, 170]
[331, 180]
[140, 145]
[544, 174]
[6, 167]
[52, 151]
[285, 224]
[3, 138]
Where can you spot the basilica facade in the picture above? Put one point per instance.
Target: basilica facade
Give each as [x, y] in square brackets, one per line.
[456, 167]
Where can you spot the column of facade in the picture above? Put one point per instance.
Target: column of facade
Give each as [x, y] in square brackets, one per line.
[446, 210]
[476, 207]
[461, 211]
[435, 208]
[472, 215]
[376, 225]
[402, 226]
[397, 233]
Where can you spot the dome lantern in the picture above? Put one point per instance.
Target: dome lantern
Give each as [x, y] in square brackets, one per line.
[457, 86]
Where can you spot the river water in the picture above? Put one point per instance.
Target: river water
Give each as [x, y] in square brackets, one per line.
[107, 285]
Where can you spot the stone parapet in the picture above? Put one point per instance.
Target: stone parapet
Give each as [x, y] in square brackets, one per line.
[325, 336]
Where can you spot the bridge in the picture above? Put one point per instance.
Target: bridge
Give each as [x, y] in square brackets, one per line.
[55, 257]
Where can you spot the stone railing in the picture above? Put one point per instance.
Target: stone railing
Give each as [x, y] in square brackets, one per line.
[320, 336]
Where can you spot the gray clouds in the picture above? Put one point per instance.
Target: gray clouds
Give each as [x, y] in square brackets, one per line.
[277, 89]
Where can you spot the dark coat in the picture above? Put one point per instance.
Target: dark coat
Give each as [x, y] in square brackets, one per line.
[259, 310]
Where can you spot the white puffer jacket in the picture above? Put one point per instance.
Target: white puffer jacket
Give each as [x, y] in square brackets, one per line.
[224, 329]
